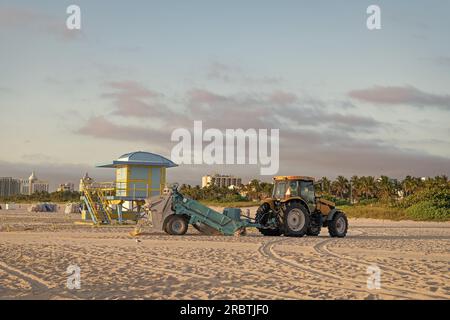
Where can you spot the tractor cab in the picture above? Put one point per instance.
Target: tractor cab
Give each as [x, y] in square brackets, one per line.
[288, 187]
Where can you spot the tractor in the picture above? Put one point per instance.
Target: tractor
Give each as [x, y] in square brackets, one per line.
[294, 210]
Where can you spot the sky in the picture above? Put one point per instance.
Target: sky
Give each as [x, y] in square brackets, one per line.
[347, 100]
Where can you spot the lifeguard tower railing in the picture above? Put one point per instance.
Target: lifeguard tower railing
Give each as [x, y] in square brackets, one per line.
[94, 197]
[104, 199]
[128, 191]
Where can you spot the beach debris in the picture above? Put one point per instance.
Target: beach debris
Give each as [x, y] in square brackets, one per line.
[43, 207]
[72, 208]
[136, 231]
[10, 206]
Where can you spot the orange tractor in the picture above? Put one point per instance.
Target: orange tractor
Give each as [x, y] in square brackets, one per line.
[295, 210]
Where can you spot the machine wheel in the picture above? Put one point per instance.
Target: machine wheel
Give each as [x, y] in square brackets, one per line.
[177, 225]
[315, 226]
[261, 218]
[296, 220]
[313, 231]
[205, 229]
[338, 226]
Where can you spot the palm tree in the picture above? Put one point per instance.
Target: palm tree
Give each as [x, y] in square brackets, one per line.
[266, 190]
[340, 186]
[368, 186]
[385, 188]
[325, 185]
[410, 185]
[440, 180]
[253, 190]
[355, 189]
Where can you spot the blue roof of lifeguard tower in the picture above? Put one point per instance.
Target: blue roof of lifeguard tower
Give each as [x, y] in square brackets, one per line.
[139, 158]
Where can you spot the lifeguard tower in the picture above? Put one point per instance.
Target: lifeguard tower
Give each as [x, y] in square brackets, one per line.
[139, 175]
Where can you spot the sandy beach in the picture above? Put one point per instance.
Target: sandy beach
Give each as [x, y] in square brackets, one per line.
[37, 248]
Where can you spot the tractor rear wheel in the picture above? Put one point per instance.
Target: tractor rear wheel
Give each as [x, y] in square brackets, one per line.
[177, 225]
[296, 220]
[262, 215]
[338, 226]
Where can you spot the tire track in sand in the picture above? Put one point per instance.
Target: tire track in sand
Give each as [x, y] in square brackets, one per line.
[322, 249]
[214, 281]
[266, 250]
[40, 288]
[37, 284]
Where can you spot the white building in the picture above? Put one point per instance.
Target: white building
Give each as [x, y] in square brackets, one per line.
[221, 181]
[11, 186]
[33, 184]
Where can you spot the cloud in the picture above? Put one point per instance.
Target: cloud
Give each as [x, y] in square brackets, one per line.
[406, 95]
[100, 127]
[337, 121]
[132, 88]
[283, 98]
[303, 151]
[31, 20]
[328, 153]
[201, 96]
[313, 137]
[131, 99]
[273, 109]
[270, 110]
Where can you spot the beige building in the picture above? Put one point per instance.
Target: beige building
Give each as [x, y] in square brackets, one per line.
[220, 180]
[85, 180]
[69, 186]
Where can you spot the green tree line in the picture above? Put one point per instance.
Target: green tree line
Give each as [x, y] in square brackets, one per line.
[412, 197]
[42, 196]
[384, 189]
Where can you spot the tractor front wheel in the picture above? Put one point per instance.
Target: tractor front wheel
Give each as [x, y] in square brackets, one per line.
[177, 225]
[338, 226]
[262, 216]
[296, 220]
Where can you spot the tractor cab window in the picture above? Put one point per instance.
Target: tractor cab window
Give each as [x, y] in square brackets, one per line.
[280, 190]
[293, 189]
[307, 191]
